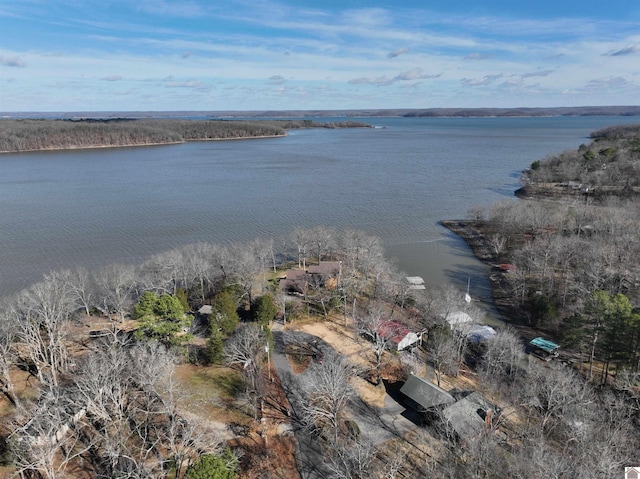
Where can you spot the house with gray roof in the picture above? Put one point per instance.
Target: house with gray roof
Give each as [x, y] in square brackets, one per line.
[423, 395]
[470, 416]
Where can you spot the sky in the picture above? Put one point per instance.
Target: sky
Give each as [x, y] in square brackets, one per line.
[241, 55]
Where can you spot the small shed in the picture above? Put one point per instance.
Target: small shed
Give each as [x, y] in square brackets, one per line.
[398, 334]
[457, 318]
[424, 395]
[205, 310]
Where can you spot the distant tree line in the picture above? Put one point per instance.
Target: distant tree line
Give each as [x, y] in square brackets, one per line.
[27, 135]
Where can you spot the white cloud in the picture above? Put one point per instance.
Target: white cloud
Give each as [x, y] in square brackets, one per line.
[414, 74]
[191, 84]
[409, 75]
[12, 61]
[397, 53]
[628, 50]
[378, 81]
[476, 56]
[485, 80]
[540, 73]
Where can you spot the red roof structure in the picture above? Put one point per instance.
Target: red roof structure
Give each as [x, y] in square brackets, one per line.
[398, 334]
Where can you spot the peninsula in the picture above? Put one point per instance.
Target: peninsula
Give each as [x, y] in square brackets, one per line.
[62, 134]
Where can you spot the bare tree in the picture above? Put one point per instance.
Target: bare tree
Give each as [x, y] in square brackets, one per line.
[43, 312]
[503, 357]
[328, 391]
[375, 325]
[302, 239]
[322, 241]
[116, 284]
[243, 269]
[350, 458]
[8, 353]
[82, 288]
[246, 351]
[442, 348]
[498, 243]
[47, 444]
[160, 272]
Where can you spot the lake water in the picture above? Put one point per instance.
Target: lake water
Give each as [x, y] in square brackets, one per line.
[94, 207]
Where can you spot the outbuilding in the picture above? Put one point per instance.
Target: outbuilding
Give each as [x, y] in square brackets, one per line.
[398, 335]
[423, 395]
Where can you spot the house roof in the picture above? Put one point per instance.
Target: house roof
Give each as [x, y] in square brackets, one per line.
[205, 310]
[458, 317]
[295, 274]
[294, 280]
[544, 344]
[327, 268]
[425, 393]
[393, 331]
[467, 416]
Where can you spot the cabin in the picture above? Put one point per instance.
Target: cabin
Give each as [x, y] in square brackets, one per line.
[398, 335]
[325, 274]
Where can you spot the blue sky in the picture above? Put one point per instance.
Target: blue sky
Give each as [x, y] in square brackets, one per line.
[106, 55]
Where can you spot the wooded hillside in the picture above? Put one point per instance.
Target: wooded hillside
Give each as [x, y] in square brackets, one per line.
[28, 135]
[573, 251]
[611, 160]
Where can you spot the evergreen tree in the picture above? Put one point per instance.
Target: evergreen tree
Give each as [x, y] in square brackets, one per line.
[215, 346]
[224, 315]
[264, 310]
[210, 466]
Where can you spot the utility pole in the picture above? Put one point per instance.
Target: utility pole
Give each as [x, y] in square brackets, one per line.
[266, 348]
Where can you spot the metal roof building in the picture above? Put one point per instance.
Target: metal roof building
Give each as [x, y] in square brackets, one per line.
[424, 393]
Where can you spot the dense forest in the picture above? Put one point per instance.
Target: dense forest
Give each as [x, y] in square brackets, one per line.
[167, 369]
[28, 135]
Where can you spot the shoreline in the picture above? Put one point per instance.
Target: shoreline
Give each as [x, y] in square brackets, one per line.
[474, 237]
[136, 145]
[502, 300]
